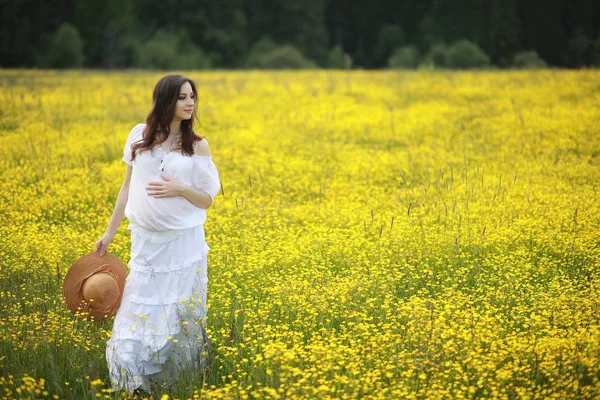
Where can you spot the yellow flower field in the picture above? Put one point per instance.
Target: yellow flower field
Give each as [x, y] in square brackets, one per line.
[379, 235]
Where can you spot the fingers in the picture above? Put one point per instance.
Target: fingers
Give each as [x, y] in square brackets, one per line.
[99, 249]
[157, 193]
[157, 189]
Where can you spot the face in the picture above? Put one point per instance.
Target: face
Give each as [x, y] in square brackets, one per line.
[185, 102]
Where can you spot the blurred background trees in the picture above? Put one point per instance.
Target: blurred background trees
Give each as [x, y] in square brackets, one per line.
[228, 34]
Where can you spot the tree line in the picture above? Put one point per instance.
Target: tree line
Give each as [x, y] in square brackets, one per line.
[232, 34]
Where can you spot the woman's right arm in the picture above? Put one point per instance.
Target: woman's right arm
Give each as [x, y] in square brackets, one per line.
[117, 216]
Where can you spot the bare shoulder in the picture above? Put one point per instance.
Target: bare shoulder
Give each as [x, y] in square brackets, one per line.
[201, 147]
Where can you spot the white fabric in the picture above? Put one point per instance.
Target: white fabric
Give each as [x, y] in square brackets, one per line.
[173, 213]
[159, 328]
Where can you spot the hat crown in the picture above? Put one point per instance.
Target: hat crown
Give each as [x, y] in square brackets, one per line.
[100, 290]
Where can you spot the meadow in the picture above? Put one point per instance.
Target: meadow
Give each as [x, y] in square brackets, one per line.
[379, 235]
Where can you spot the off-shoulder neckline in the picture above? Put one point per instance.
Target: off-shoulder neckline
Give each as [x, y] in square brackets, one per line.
[184, 155]
[174, 152]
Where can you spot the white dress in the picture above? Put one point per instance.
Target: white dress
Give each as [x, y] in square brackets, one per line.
[159, 328]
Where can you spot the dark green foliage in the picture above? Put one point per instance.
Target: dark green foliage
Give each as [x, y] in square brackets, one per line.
[580, 48]
[529, 59]
[405, 57]
[493, 25]
[261, 48]
[303, 22]
[336, 58]
[65, 50]
[437, 55]
[169, 51]
[226, 41]
[562, 33]
[102, 25]
[595, 59]
[466, 54]
[390, 38]
[121, 46]
[286, 57]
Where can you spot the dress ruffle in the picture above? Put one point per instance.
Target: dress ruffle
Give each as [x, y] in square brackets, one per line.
[151, 252]
[149, 267]
[157, 236]
[160, 326]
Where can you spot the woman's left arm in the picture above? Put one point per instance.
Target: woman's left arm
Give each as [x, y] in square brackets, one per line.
[197, 197]
[173, 187]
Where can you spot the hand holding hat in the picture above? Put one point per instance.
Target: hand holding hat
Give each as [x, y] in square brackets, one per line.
[102, 244]
[94, 285]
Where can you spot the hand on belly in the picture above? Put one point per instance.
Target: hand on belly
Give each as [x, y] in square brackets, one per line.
[169, 187]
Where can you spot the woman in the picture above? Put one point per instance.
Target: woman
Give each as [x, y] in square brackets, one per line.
[159, 328]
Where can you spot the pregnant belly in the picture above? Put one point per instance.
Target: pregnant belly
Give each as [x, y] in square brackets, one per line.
[159, 213]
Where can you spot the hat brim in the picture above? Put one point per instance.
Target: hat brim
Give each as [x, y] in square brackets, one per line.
[86, 266]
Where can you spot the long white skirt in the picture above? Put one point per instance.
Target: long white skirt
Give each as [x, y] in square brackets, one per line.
[160, 326]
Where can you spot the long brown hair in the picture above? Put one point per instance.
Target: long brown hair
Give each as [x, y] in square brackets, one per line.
[158, 121]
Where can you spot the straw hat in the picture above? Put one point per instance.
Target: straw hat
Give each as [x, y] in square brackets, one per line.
[94, 285]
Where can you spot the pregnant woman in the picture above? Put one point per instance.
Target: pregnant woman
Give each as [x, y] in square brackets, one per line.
[159, 328]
